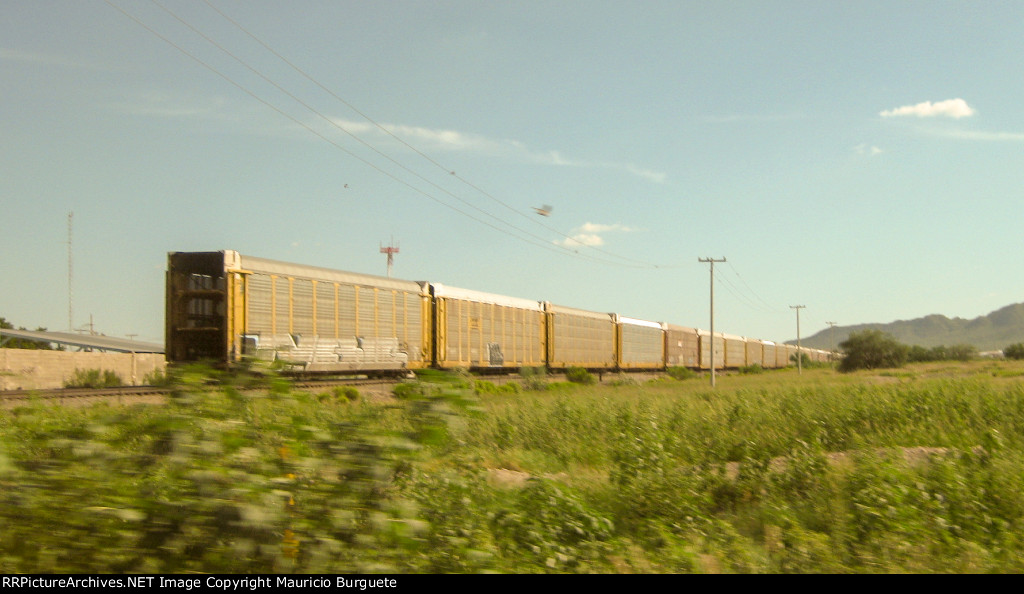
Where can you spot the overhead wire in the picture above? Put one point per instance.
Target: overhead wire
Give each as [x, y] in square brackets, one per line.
[385, 130]
[543, 241]
[765, 306]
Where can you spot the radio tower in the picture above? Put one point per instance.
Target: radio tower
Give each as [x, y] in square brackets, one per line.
[391, 250]
[71, 317]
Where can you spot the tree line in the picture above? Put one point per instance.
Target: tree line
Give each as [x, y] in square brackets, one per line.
[874, 349]
[22, 343]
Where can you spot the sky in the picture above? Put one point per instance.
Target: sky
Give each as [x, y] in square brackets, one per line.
[861, 159]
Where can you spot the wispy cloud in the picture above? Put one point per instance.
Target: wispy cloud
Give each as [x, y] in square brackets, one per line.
[177, 106]
[39, 59]
[866, 149]
[591, 234]
[950, 108]
[981, 135]
[439, 139]
[754, 118]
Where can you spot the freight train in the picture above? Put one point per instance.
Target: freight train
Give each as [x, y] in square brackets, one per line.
[225, 307]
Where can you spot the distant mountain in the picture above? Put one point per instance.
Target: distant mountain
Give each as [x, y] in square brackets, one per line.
[993, 332]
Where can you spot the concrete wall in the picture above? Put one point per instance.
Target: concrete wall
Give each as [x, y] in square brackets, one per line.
[40, 370]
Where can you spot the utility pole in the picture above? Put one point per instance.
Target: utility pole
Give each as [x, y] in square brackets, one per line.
[799, 350]
[712, 262]
[391, 250]
[131, 338]
[832, 342]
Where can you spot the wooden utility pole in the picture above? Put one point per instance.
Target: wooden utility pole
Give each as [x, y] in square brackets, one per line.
[712, 262]
[832, 342]
[799, 351]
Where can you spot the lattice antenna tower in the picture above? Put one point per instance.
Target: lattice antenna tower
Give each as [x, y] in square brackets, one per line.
[71, 317]
[391, 250]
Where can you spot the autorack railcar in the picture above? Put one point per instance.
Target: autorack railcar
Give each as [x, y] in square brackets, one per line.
[225, 306]
[484, 331]
[580, 338]
[640, 344]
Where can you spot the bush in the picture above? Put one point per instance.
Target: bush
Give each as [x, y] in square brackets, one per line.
[579, 375]
[340, 394]
[957, 352]
[94, 378]
[534, 378]
[1014, 351]
[872, 349]
[681, 373]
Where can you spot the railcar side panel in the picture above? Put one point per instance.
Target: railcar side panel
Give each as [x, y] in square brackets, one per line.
[641, 344]
[735, 350]
[705, 350]
[755, 352]
[579, 338]
[682, 346]
[476, 330]
[769, 354]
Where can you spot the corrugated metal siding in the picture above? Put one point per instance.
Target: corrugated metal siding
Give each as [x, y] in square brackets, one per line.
[578, 338]
[338, 322]
[326, 310]
[735, 351]
[705, 350]
[640, 346]
[302, 307]
[755, 352]
[474, 334]
[257, 287]
[682, 346]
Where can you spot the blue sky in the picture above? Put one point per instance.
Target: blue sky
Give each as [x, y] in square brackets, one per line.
[864, 159]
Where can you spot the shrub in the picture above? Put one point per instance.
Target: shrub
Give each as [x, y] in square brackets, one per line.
[1014, 351]
[681, 373]
[872, 349]
[579, 375]
[94, 378]
[534, 378]
[341, 394]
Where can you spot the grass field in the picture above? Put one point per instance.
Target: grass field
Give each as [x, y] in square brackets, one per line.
[919, 469]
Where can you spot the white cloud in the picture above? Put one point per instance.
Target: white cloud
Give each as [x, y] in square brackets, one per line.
[452, 140]
[581, 239]
[950, 108]
[590, 234]
[600, 228]
[870, 150]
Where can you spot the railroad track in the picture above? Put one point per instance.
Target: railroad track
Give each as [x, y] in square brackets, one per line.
[371, 387]
[11, 398]
[150, 394]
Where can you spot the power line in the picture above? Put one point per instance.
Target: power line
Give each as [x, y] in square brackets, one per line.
[425, 156]
[541, 242]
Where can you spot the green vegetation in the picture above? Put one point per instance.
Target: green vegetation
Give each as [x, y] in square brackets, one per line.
[21, 343]
[579, 375]
[1014, 351]
[94, 378]
[874, 349]
[916, 471]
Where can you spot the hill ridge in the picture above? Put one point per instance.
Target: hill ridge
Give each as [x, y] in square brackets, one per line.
[991, 332]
